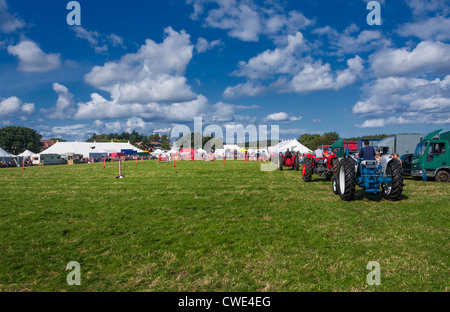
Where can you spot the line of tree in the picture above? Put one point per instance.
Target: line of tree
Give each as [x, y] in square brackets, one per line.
[135, 138]
[16, 140]
[311, 141]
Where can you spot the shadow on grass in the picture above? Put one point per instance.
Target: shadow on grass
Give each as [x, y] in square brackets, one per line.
[361, 195]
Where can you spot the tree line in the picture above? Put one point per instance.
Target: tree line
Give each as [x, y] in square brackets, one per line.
[135, 138]
[312, 141]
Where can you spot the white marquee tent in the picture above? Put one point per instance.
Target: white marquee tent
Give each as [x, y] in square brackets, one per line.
[27, 153]
[86, 148]
[293, 145]
[4, 154]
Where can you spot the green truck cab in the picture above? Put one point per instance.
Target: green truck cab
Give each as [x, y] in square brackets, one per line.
[338, 148]
[432, 157]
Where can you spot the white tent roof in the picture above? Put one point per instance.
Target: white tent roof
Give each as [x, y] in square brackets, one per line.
[293, 145]
[85, 148]
[4, 153]
[27, 153]
[158, 152]
[202, 151]
[232, 147]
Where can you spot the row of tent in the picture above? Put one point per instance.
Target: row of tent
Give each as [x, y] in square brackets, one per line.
[97, 150]
[281, 147]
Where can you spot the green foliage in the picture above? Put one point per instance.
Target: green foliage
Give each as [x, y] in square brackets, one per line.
[311, 141]
[165, 142]
[133, 137]
[16, 140]
[377, 136]
[184, 141]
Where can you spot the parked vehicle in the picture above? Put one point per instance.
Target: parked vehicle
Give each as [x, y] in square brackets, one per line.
[432, 157]
[293, 162]
[398, 144]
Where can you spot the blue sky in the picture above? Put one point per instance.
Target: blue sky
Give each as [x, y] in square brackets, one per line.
[308, 66]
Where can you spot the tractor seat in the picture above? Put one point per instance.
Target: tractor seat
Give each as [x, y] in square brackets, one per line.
[369, 163]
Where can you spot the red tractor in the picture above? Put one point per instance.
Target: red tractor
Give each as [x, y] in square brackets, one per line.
[322, 166]
[292, 162]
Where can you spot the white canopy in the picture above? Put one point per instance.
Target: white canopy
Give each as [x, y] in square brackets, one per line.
[229, 147]
[157, 152]
[202, 151]
[85, 148]
[27, 153]
[292, 145]
[5, 154]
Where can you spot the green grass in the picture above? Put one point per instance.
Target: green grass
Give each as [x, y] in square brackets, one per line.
[214, 227]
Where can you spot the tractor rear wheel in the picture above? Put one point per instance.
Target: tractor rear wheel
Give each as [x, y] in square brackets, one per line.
[280, 162]
[393, 191]
[442, 176]
[335, 185]
[308, 164]
[347, 179]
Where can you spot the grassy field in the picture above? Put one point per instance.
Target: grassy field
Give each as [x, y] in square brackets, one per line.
[214, 227]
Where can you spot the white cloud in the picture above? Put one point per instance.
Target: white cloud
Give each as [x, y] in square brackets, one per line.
[350, 43]
[14, 107]
[281, 117]
[244, 89]
[162, 130]
[247, 21]
[427, 57]
[154, 73]
[32, 58]
[116, 40]
[9, 23]
[99, 42]
[422, 8]
[281, 60]
[203, 45]
[435, 28]
[315, 76]
[99, 107]
[285, 69]
[405, 101]
[64, 108]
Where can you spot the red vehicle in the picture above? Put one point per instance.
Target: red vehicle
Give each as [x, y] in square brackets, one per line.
[322, 166]
[292, 162]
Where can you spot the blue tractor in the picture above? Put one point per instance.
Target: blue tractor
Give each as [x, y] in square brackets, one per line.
[372, 176]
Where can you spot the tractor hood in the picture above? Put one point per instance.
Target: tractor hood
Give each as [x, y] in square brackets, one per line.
[338, 143]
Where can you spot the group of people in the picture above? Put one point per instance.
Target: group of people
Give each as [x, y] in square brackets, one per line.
[27, 162]
[7, 164]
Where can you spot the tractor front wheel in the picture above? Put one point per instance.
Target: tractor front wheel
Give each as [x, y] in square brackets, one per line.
[393, 190]
[280, 162]
[335, 185]
[308, 169]
[347, 179]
